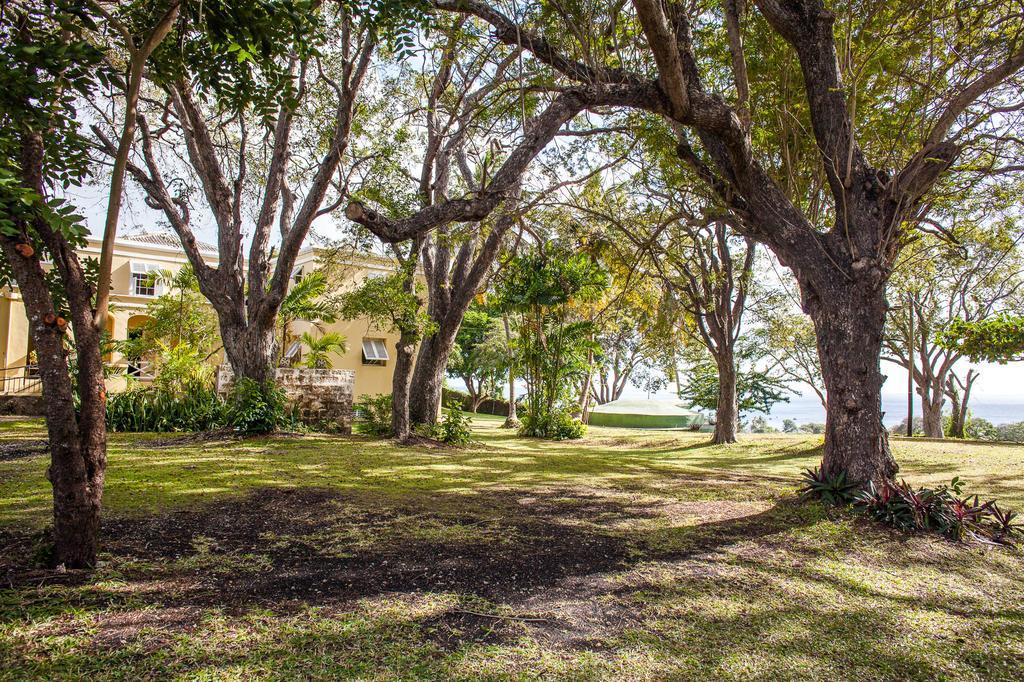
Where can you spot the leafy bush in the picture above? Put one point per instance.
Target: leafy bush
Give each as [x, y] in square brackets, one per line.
[455, 426]
[156, 409]
[944, 509]
[977, 428]
[826, 486]
[373, 414]
[257, 408]
[180, 368]
[556, 425]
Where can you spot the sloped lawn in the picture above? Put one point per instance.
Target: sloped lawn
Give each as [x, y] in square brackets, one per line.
[626, 556]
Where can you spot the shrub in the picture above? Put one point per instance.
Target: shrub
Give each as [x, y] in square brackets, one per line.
[373, 414]
[826, 486]
[943, 509]
[455, 426]
[556, 425]
[981, 429]
[156, 409]
[257, 408]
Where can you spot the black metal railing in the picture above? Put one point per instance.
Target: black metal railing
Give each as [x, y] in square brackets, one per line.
[26, 380]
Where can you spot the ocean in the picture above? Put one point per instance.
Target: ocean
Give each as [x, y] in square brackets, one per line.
[803, 409]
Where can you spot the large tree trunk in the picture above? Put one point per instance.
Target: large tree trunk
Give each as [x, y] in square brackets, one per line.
[931, 410]
[400, 423]
[431, 368]
[250, 350]
[849, 332]
[78, 442]
[78, 448]
[727, 410]
[77, 438]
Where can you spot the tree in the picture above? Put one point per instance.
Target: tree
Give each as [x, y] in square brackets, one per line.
[48, 60]
[294, 65]
[999, 338]
[480, 356]
[842, 243]
[53, 60]
[713, 282]
[756, 390]
[941, 283]
[788, 341]
[51, 57]
[320, 348]
[393, 304]
[553, 347]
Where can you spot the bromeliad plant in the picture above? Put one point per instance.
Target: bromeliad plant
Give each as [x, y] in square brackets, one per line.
[829, 487]
[944, 509]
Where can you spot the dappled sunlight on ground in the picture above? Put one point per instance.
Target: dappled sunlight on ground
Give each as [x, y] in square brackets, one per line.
[629, 555]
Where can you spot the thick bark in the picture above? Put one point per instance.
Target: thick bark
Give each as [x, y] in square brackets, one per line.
[931, 410]
[849, 330]
[78, 439]
[428, 379]
[400, 423]
[249, 349]
[727, 410]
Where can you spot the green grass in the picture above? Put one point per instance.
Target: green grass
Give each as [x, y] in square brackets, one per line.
[630, 555]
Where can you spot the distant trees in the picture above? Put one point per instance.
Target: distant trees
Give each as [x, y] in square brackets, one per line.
[480, 356]
[753, 389]
[944, 285]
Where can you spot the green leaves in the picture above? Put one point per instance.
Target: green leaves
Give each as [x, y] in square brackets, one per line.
[549, 279]
[996, 339]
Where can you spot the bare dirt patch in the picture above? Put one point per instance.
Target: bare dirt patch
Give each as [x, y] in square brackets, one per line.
[19, 449]
[548, 561]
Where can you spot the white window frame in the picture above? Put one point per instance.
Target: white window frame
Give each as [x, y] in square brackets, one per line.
[141, 271]
[375, 352]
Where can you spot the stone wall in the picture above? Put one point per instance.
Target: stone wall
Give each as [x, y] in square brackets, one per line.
[321, 396]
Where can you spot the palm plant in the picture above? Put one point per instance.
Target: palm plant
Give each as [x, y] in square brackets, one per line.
[305, 301]
[320, 349]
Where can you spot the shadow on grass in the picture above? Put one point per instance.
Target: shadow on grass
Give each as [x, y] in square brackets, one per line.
[357, 584]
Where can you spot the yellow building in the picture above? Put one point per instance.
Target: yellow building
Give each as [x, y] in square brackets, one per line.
[370, 350]
[136, 257]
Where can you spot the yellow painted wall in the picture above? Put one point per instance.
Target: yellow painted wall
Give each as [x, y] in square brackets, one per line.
[369, 379]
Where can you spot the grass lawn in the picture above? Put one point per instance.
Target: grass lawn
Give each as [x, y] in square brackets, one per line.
[630, 555]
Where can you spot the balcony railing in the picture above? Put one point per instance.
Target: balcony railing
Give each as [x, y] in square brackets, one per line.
[26, 380]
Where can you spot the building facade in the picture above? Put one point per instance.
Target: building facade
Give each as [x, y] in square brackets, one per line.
[369, 349]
